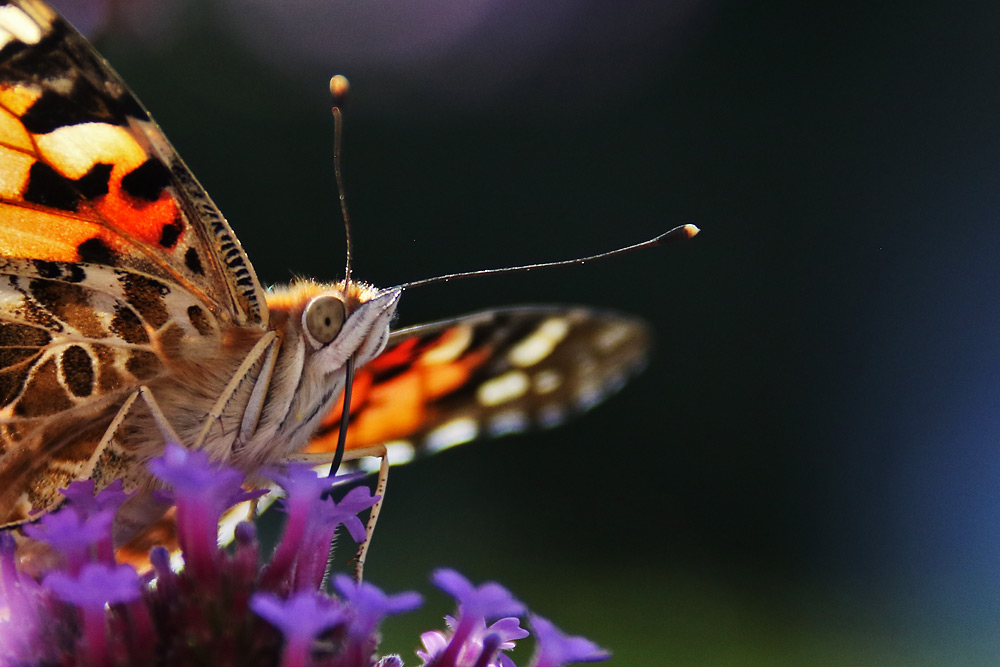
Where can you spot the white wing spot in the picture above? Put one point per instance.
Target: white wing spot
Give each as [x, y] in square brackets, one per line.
[15, 24]
[507, 387]
[399, 452]
[507, 422]
[612, 336]
[547, 381]
[452, 433]
[77, 148]
[540, 344]
[450, 349]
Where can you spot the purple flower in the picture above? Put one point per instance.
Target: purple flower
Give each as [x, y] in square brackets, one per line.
[304, 489]
[81, 531]
[479, 648]
[22, 606]
[80, 495]
[301, 618]
[76, 535]
[166, 578]
[369, 605]
[191, 474]
[476, 605]
[508, 629]
[435, 642]
[100, 613]
[555, 648]
[98, 584]
[247, 554]
[202, 491]
[490, 600]
[346, 511]
[313, 522]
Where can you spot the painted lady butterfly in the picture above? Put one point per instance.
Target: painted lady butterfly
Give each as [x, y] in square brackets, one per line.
[129, 313]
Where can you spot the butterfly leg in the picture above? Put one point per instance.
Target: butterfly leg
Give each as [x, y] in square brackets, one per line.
[115, 462]
[110, 461]
[380, 486]
[265, 352]
[160, 419]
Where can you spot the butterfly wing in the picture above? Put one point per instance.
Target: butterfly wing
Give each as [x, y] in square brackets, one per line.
[486, 375]
[89, 177]
[111, 254]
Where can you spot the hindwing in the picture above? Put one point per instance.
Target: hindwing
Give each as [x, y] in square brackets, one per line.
[486, 374]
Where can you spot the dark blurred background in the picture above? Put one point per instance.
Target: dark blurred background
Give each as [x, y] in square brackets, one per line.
[807, 472]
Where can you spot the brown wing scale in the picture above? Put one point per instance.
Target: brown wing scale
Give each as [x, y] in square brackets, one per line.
[70, 352]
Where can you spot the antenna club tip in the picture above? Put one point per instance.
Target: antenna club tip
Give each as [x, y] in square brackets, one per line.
[339, 87]
[677, 234]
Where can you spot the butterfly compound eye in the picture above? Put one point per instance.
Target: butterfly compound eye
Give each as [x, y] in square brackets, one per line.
[324, 317]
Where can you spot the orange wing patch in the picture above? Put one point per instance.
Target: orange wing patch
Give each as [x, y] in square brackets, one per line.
[92, 193]
[134, 194]
[487, 375]
[394, 394]
[16, 100]
[94, 178]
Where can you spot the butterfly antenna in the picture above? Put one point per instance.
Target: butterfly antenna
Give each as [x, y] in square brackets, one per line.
[676, 234]
[339, 87]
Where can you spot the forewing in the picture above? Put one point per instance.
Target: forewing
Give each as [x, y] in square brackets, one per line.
[87, 176]
[486, 375]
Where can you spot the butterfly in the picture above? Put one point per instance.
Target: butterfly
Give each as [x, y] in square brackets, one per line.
[131, 315]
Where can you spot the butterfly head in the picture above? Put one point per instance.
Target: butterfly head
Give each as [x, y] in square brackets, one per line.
[334, 322]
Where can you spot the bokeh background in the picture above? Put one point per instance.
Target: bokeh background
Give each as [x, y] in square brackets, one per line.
[807, 473]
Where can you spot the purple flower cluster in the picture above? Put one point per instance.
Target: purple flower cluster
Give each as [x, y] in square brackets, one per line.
[223, 607]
